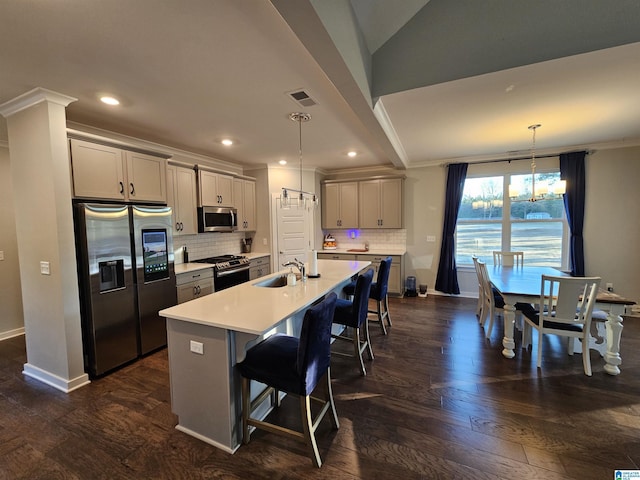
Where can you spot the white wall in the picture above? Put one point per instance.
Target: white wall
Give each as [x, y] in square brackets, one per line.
[612, 219]
[11, 316]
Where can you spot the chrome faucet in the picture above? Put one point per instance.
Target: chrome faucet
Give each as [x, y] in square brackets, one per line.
[299, 265]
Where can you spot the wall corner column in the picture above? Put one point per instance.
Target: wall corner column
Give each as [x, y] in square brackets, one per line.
[41, 177]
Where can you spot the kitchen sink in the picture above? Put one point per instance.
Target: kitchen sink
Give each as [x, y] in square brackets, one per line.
[275, 282]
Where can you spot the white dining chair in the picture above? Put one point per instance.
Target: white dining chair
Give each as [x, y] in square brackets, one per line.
[508, 259]
[566, 308]
[480, 305]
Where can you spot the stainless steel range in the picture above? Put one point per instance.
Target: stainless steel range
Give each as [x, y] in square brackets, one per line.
[228, 270]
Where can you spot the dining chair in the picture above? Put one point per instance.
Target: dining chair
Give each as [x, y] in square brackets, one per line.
[480, 305]
[378, 293]
[354, 315]
[565, 309]
[493, 303]
[296, 366]
[508, 259]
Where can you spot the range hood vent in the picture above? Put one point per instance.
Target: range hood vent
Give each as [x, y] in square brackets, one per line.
[302, 98]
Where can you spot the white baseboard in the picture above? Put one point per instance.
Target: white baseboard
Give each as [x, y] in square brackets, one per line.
[11, 333]
[55, 381]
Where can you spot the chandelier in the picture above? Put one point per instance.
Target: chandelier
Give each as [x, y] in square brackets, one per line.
[302, 199]
[542, 191]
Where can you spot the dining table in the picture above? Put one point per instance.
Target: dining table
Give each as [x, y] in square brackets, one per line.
[522, 284]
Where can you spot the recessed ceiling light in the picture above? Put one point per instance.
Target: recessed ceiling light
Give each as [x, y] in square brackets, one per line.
[227, 142]
[352, 154]
[282, 162]
[109, 100]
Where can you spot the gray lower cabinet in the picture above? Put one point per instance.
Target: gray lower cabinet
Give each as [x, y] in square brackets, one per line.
[336, 256]
[194, 284]
[396, 285]
[259, 267]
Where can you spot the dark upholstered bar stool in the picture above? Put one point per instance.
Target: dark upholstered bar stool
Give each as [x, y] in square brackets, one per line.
[353, 314]
[295, 366]
[378, 293]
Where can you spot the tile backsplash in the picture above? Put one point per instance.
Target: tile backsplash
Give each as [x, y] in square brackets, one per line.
[378, 239]
[207, 245]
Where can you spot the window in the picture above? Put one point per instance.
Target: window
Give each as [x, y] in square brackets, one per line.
[489, 220]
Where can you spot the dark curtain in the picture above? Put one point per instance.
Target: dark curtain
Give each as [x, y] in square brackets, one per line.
[572, 170]
[447, 279]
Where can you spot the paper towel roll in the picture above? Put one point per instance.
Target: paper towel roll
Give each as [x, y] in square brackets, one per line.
[313, 262]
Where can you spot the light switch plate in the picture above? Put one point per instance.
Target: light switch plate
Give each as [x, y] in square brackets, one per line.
[431, 238]
[196, 347]
[44, 268]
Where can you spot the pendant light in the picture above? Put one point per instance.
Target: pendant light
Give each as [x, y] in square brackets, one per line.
[303, 199]
[543, 191]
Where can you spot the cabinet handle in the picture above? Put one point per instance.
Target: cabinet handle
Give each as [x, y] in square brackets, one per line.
[198, 287]
[121, 188]
[133, 190]
[177, 225]
[181, 226]
[195, 290]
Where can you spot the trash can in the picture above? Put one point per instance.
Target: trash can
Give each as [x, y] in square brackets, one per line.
[410, 287]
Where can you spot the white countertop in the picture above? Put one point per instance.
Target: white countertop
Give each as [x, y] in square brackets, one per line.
[252, 309]
[372, 251]
[253, 255]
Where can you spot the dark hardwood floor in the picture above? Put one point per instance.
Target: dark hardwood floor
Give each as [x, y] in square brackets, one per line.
[439, 401]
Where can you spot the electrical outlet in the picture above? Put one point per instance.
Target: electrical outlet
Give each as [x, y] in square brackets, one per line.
[44, 268]
[1, 255]
[610, 287]
[264, 241]
[196, 347]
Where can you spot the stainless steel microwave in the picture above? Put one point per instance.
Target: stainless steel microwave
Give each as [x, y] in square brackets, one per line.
[217, 219]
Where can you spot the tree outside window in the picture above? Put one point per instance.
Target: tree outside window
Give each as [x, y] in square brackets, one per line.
[538, 228]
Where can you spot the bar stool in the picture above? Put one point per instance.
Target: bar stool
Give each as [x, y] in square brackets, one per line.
[294, 366]
[353, 314]
[378, 293]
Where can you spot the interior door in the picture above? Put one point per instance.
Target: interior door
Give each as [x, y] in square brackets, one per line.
[294, 233]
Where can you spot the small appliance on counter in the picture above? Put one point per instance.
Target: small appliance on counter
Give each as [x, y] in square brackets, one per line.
[246, 245]
[329, 242]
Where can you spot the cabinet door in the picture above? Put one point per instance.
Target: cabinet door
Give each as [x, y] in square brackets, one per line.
[146, 177]
[208, 189]
[369, 204]
[349, 205]
[249, 196]
[186, 292]
[330, 205]
[98, 171]
[172, 201]
[186, 200]
[391, 203]
[225, 190]
[395, 279]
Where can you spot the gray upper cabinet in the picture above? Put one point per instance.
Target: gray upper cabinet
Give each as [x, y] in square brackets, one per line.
[216, 189]
[244, 197]
[380, 203]
[182, 198]
[110, 173]
[340, 205]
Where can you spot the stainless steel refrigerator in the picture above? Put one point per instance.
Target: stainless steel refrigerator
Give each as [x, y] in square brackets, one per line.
[126, 275]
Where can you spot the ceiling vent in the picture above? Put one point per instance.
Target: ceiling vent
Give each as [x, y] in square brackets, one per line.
[302, 98]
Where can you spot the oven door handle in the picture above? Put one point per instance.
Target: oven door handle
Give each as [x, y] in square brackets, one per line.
[231, 272]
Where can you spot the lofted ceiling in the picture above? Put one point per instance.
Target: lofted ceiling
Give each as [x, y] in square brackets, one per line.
[190, 74]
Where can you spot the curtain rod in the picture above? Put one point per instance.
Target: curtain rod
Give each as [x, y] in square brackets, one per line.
[527, 157]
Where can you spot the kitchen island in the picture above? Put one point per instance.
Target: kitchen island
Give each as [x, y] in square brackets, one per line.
[206, 337]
